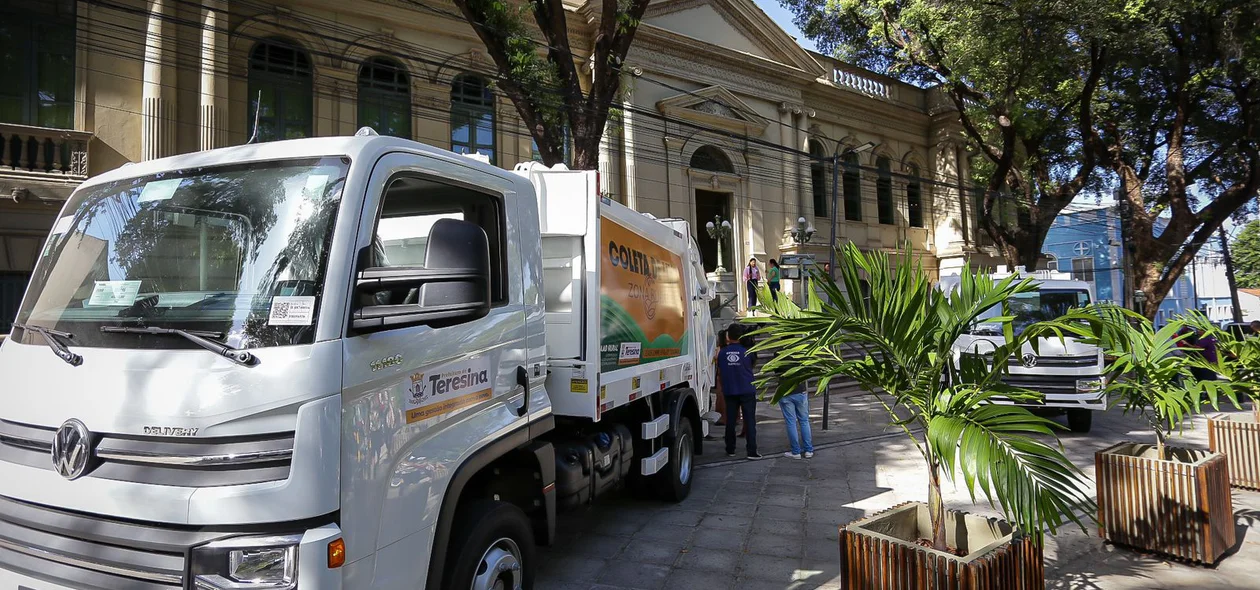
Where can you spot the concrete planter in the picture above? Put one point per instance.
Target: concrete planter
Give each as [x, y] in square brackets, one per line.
[1179, 507]
[1237, 436]
[879, 553]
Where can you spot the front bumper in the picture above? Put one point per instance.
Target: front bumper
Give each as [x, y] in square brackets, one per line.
[44, 548]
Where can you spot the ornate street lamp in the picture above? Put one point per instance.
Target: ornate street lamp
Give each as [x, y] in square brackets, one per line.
[719, 229]
[803, 233]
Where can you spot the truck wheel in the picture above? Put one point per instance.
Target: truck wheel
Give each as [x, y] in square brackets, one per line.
[674, 483]
[492, 549]
[1080, 420]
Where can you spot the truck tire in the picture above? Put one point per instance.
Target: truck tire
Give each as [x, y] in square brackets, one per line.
[492, 547]
[1080, 420]
[674, 483]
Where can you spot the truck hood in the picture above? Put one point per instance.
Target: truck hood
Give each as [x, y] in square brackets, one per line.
[1045, 346]
[184, 397]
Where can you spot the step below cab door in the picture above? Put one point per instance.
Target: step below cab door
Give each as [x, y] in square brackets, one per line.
[433, 352]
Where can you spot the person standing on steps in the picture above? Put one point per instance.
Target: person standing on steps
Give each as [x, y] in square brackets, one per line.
[772, 276]
[752, 278]
[735, 369]
[795, 408]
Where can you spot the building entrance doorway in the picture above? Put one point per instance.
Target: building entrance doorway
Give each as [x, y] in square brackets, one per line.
[709, 204]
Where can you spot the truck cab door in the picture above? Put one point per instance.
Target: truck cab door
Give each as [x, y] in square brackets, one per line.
[418, 397]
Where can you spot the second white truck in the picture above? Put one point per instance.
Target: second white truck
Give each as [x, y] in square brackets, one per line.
[1068, 373]
[354, 362]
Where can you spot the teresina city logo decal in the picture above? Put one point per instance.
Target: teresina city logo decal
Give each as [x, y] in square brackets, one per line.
[448, 388]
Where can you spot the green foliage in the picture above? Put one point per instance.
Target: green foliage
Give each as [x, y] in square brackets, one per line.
[1149, 374]
[941, 396]
[1246, 252]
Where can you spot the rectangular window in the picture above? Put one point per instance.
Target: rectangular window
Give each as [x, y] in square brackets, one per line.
[37, 47]
[883, 192]
[852, 190]
[914, 199]
[818, 182]
[1083, 269]
[411, 207]
[472, 131]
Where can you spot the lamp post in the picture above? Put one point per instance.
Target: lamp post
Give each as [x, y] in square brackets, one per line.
[802, 235]
[835, 239]
[719, 229]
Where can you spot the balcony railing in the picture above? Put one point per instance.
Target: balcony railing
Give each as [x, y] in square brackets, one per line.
[51, 153]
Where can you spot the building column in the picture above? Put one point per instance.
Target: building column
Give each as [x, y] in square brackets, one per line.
[628, 167]
[804, 184]
[213, 130]
[788, 139]
[158, 138]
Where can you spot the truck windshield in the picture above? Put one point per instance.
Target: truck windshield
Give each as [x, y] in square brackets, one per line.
[1030, 308]
[239, 250]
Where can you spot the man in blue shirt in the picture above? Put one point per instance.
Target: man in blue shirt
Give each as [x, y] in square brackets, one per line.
[735, 369]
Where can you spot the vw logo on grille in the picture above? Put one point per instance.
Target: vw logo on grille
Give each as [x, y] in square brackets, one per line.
[1029, 360]
[71, 449]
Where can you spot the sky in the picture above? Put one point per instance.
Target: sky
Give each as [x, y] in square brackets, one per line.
[783, 16]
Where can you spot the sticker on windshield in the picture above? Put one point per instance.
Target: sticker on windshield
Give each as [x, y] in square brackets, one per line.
[63, 225]
[159, 190]
[290, 310]
[114, 293]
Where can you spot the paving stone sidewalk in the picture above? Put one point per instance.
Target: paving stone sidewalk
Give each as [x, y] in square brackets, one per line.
[773, 524]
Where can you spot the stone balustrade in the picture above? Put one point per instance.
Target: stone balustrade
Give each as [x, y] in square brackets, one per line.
[43, 151]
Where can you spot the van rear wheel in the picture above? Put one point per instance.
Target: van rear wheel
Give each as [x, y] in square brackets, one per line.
[1080, 420]
[492, 548]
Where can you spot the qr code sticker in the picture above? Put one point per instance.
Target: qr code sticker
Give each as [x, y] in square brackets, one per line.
[291, 311]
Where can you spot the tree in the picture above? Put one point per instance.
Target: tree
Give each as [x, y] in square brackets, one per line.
[1022, 75]
[1178, 123]
[542, 79]
[1246, 250]
[947, 408]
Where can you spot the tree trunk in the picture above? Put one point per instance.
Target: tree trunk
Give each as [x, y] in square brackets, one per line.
[1229, 275]
[936, 507]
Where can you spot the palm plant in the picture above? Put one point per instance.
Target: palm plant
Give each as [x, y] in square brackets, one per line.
[1237, 359]
[1149, 373]
[941, 397]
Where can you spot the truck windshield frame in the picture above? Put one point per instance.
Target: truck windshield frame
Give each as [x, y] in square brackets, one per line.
[222, 248]
[1030, 308]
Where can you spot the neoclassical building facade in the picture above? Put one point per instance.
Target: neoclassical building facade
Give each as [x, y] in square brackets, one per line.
[722, 114]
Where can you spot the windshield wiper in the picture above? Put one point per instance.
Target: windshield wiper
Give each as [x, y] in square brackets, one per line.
[52, 337]
[236, 355]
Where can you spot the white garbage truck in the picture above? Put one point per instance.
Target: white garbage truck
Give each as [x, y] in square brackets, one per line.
[354, 362]
[1069, 374]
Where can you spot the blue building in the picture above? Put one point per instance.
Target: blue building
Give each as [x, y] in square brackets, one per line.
[1087, 243]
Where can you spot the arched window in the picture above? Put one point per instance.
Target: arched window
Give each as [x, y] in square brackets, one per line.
[818, 177]
[472, 116]
[711, 159]
[279, 72]
[883, 190]
[914, 197]
[385, 97]
[852, 188]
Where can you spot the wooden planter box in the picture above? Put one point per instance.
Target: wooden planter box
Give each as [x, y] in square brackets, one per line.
[879, 553]
[1181, 507]
[1237, 436]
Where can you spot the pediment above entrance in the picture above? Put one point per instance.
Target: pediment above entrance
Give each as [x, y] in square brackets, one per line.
[715, 107]
[737, 25]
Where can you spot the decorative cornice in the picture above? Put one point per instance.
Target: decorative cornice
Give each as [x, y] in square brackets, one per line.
[754, 24]
[715, 107]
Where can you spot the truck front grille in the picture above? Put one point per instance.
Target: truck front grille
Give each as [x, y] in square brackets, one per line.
[185, 462]
[1046, 384]
[81, 551]
[1090, 360]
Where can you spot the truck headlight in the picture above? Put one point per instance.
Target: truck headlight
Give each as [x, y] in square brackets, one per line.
[247, 563]
[1089, 385]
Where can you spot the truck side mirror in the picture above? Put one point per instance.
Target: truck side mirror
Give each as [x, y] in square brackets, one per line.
[452, 287]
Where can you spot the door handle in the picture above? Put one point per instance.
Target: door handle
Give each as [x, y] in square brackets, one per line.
[522, 379]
